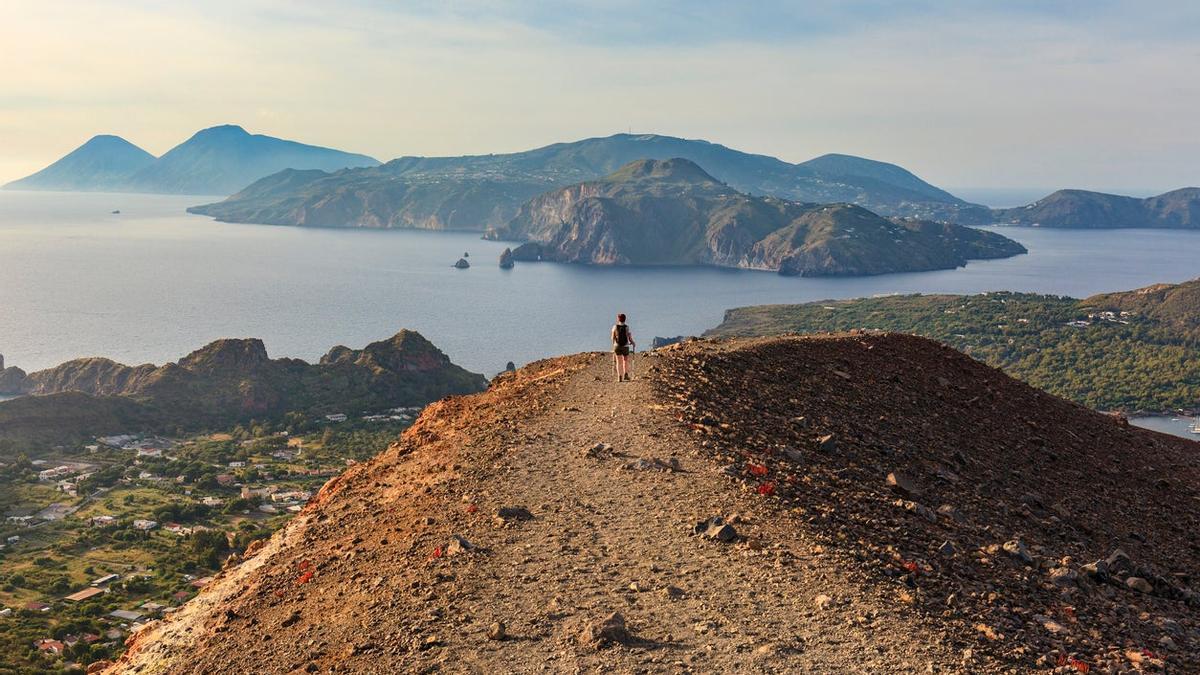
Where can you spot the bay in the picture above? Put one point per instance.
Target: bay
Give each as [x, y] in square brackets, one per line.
[151, 283]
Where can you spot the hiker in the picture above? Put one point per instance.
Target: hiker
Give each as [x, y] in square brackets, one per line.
[622, 339]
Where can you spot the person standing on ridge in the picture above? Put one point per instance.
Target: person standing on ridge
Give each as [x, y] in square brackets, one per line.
[622, 339]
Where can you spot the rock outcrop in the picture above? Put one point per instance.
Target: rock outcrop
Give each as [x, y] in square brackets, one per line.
[671, 212]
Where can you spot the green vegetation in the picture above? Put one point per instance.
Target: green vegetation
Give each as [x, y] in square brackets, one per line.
[1127, 351]
[209, 496]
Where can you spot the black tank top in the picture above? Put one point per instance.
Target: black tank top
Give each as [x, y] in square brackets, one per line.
[622, 335]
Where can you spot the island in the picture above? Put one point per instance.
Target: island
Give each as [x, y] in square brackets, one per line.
[1082, 209]
[478, 192]
[672, 212]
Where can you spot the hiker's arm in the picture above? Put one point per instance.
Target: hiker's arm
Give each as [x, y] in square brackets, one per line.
[613, 334]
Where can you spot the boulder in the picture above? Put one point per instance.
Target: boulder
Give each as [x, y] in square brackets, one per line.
[598, 451]
[1064, 577]
[512, 514]
[506, 259]
[717, 529]
[1139, 584]
[458, 544]
[827, 443]
[462, 264]
[1119, 563]
[917, 509]
[1097, 570]
[608, 631]
[1016, 548]
[902, 485]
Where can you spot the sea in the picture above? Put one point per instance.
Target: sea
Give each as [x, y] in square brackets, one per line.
[137, 279]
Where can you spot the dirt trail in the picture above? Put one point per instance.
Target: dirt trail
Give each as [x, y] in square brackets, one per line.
[606, 538]
[385, 595]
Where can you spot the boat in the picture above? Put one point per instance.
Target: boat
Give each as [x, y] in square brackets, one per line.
[462, 264]
[1195, 427]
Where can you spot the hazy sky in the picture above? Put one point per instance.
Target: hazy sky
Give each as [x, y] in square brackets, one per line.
[1018, 93]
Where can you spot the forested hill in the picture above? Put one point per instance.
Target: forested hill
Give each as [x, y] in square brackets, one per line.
[1132, 351]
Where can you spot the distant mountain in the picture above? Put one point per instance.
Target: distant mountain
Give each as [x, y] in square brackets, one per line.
[103, 163]
[215, 161]
[671, 212]
[222, 383]
[1179, 209]
[224, 159]
[485, 191]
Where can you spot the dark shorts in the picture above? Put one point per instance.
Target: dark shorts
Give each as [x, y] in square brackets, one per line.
[621, 350]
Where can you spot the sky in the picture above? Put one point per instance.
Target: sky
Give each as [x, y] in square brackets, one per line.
[1098, 94]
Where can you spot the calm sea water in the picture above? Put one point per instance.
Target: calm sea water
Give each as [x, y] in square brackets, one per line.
[152, 283]
[1176, 426]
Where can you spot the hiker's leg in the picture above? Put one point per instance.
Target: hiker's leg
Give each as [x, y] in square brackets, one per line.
[617, 365]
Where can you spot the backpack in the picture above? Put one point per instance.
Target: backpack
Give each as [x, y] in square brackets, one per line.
[622, 335]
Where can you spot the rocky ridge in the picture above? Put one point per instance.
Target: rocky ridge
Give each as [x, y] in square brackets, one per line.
[224, 382]
[853, 503]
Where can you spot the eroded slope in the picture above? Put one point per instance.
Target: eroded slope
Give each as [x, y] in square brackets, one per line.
[827, 574]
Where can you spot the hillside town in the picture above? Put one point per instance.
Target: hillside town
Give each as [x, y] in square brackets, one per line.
[99, 540]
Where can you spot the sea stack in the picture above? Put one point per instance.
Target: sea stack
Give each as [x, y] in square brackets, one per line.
[462, 264]
[506, 259]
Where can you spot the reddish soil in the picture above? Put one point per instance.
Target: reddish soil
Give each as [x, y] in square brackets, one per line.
[833, 570]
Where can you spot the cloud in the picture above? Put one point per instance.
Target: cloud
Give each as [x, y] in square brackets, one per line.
[1095, 94]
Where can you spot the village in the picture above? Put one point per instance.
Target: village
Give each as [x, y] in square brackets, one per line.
[99, 540]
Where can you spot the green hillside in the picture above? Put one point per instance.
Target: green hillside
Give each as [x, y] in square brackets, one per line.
[1138, 350]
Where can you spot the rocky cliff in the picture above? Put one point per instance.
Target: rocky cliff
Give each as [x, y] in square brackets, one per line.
[672, 212]
[852, 503]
